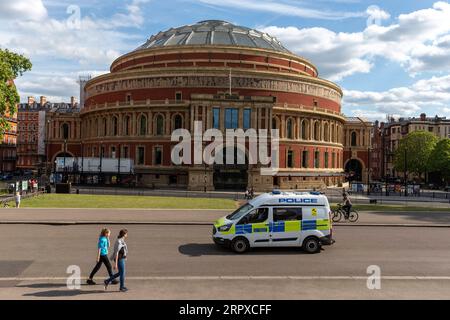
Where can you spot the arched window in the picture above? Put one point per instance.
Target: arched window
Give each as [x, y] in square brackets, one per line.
[338, 134]
[143, 125]
[159, 125]
[333, 134]
[289, 129]
[115, 127]
[354, 139]
[105, 129]
[305, 130]
[316, 131]
[126, 126]
[326, 132]
[177, 122]
[97, 128]
[65, 131]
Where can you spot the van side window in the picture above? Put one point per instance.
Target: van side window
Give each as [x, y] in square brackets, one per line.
[287, 214]
[256, 216]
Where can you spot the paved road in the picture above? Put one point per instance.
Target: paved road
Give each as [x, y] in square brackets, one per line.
[181, 262]
[191, 216]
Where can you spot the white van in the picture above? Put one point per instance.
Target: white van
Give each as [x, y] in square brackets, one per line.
[278, 219]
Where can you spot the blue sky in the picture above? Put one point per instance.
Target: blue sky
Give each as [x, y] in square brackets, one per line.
[390, 57]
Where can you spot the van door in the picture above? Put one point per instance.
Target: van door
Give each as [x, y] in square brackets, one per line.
[286, 226]
[255, 226]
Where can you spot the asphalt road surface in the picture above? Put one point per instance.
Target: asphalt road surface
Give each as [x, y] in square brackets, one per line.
[180, 262]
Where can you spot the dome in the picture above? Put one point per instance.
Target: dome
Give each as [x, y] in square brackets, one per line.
[214, 32]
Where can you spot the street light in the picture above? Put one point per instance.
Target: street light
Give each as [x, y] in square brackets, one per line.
[404, 173]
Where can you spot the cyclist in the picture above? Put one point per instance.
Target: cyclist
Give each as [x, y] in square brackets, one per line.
[347, 205]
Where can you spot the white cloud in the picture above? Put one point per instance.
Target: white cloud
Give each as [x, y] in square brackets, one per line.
[418, 41]
[278, 7]
[56, 86]
[402, 101]
[23, 9]
[65, 44]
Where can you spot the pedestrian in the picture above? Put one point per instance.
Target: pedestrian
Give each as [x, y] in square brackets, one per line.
[17, 199]
[119, 257]
[102, 255]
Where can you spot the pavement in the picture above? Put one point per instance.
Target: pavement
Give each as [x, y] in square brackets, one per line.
[181, 262]
[195, 217]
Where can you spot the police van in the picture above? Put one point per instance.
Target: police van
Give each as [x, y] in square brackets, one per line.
[278, 219]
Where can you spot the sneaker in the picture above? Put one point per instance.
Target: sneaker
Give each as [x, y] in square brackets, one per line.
[91, 282]
[123, 289]
[106, 284]
[115, 282]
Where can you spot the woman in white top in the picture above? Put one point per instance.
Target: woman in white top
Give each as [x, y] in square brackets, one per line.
[119, 257]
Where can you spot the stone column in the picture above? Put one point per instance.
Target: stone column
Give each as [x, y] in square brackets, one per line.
[168, 123]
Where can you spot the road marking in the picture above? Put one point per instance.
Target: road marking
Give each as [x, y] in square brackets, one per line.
[241, 278]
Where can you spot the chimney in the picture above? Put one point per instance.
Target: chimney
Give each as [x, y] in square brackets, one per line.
[423, 116]
[73, 101]
[30, 100]
[43, 100]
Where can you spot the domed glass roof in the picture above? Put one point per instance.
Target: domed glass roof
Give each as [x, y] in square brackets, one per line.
[213, 32]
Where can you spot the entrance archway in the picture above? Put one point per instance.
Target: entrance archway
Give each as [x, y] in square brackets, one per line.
[232, 176]
[353, 170]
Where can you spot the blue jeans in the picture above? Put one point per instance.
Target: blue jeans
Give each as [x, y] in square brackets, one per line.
[121, 273]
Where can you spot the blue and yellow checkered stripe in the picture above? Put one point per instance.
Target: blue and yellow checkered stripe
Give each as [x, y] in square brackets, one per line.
[283, 226]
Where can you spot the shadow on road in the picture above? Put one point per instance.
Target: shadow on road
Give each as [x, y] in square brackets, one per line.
[431, 217]
[63, 293]
[42, 285]
[207, 249]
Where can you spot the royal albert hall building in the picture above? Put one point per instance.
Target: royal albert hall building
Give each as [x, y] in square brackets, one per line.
[182, 75]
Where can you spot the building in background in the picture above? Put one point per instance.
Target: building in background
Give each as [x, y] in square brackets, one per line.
[63, 132]
[8, 145]
[358, 159]
[34, 118]
[228, 77]
[395, 130]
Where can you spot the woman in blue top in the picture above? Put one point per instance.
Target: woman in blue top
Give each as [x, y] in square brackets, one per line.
[102, 255]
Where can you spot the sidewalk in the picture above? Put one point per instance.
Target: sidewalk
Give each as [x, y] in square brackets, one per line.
[334, 194]
[193, 217]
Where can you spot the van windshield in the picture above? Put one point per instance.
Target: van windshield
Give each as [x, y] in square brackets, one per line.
[239, 213]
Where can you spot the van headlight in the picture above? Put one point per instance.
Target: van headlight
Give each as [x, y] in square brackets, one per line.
[225, 228]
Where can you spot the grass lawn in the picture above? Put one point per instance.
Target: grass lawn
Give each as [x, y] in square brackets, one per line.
[381, 207]
[115, 201]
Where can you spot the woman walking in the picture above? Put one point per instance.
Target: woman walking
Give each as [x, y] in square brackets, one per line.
[102, 255]
[17, 199]
[119, 257]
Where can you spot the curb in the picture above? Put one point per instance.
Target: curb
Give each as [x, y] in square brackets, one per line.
[168, 223]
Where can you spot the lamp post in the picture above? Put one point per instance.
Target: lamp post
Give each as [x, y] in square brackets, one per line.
[368, 170]
[405, 176]
[47, 145]
[101, 160]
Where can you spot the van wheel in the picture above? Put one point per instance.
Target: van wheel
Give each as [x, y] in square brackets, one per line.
[240, 245]
[311, 245]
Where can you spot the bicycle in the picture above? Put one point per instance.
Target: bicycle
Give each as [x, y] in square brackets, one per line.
[340, 212]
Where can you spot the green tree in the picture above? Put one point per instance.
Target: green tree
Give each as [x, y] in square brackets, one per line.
[418, 146]
[440, 158]
[12, 65]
